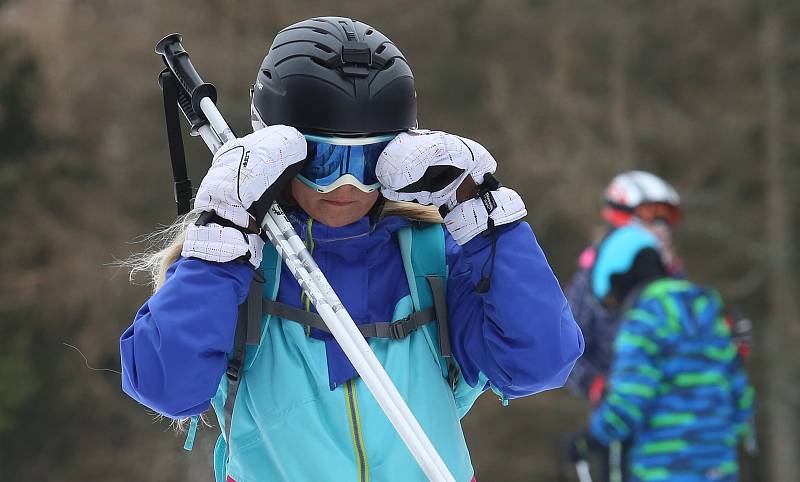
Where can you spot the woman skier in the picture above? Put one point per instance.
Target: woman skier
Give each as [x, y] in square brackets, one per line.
[334, 111]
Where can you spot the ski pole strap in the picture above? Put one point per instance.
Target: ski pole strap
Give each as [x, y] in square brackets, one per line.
[395, 330]
[209, 217]
[183, 186]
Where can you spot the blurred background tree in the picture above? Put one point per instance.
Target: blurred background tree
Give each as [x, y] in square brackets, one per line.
[565, 94]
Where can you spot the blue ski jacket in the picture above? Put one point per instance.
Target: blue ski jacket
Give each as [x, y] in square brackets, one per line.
[296, 417]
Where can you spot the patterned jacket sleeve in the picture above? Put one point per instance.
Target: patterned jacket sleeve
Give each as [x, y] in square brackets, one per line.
[743, 395]
[635, 374]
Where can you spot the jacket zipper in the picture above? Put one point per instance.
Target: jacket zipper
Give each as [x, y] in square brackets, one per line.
[355, 430]
[350, 390]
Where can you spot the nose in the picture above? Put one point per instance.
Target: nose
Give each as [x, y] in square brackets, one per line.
[345, 190]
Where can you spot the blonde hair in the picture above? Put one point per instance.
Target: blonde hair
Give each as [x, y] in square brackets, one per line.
[412, 211]
[165, 245]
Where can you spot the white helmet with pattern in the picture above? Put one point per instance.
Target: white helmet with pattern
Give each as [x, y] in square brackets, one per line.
[640, 194]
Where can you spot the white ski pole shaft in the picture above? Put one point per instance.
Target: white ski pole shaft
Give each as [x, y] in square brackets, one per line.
[582, 467]
[216, 120]
[210, 138]
[341, 325]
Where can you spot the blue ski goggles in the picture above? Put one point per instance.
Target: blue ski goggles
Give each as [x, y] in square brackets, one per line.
[332, 162]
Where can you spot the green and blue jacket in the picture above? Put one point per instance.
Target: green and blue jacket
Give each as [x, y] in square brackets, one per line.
[677, 393]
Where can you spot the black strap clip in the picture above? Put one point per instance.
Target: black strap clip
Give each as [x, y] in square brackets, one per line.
[183, 195]
[356, 57]
[397, 330]
[234, 371]
[356, 53]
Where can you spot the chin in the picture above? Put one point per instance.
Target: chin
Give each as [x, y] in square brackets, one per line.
[338, 219]
[336, 224]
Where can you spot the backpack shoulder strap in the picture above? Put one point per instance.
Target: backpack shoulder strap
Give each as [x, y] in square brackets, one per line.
[249, 326]
[256, 322]
[423, 251]
[422, 247]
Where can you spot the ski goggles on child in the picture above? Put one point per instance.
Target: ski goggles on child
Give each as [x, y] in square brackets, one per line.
[332, 162]
[646, 212]
[652, 212]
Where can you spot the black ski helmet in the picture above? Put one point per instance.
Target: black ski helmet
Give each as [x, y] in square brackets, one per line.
[333, 75]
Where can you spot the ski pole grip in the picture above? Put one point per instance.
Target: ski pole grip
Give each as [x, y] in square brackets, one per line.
[177, 59]
[166, 79]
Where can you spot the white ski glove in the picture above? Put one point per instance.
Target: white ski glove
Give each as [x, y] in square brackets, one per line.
[240, 173]
[429, 166]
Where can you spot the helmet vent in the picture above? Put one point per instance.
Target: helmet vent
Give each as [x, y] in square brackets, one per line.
[368, 32]
[267, 73]
[348, 29]
[319, 62]
[320, 31]
[324, 48]
[380, 49]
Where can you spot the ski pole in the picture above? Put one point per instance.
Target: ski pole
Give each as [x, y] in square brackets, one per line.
[615, 461]
[197, 100]
[578, 453]
[582, 468]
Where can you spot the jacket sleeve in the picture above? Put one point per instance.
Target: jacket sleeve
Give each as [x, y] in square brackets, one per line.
[584, 310]
[519, 333]
[743, 397]
[175, 352]
[635, 374]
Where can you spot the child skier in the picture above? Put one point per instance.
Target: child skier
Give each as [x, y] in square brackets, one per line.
[301, 412]
[632, 197]
[677, 395]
